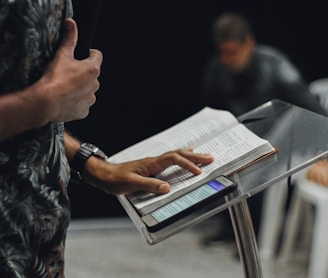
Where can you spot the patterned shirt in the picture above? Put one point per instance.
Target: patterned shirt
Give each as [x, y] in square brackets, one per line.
[34, 172]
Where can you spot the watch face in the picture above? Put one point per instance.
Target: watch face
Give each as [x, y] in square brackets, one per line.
[95, 150]
[90, 146]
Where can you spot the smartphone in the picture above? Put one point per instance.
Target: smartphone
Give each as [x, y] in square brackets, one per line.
[186, 204]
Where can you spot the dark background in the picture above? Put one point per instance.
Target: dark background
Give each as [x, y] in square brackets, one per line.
[154, 55]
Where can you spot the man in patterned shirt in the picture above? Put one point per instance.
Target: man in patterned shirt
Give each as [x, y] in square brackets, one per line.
[41, 87]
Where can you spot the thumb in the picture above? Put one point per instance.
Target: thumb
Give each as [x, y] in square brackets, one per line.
[70, 36]
[153, 185]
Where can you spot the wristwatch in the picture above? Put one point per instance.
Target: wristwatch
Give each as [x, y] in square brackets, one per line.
[82, 155]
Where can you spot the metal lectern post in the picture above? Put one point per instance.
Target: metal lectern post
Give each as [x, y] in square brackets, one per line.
[245, 238]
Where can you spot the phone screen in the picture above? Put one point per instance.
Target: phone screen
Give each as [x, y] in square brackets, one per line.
[202, 194]
[188, 200]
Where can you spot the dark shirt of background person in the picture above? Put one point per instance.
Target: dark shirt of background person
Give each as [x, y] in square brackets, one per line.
[244, 74]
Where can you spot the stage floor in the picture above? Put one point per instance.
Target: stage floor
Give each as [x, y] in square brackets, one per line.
[99, 248]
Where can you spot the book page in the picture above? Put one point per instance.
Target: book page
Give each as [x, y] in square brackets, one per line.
[191, 132]
[232, 149]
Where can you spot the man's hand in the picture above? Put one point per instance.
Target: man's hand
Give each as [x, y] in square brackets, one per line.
[139, 175]
[69, 85]
[64, 92]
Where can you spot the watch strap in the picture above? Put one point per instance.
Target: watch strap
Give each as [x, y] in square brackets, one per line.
[82, 155]
[80, 158]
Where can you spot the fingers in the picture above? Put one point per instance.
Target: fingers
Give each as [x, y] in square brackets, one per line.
[187, 159]
[151, 185]
[70, 37]
[69, 43]
[138, 175]
[96, 57]
[197, 158]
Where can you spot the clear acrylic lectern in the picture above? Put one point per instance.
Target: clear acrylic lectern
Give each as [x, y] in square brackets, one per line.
[301, 137]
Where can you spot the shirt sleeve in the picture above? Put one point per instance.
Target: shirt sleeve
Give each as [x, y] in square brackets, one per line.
[293, 88]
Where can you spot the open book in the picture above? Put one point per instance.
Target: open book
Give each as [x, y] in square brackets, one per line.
[210, 130]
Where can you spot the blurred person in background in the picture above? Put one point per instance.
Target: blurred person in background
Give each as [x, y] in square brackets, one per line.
[243, 75]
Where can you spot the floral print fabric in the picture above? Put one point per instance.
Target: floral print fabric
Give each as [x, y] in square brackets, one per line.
[34, 172]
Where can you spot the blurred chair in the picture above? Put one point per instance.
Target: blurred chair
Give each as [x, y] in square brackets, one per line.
[272, 219]
[319, 88]
[307, 192]
[275, 198]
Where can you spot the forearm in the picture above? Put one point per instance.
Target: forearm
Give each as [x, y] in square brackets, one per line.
[72, 145]
[21, 111]
[96, 171]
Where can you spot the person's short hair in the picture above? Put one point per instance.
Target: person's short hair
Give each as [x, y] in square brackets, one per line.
[231, 26]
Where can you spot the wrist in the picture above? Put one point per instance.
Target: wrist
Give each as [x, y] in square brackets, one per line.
[96, 172]
[37, 97]
[81, 159]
